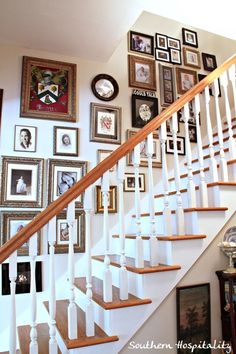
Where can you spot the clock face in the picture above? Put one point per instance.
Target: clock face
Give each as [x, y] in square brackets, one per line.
[145, 112]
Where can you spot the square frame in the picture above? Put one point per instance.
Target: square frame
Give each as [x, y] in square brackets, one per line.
[209, 62]
[22, 182]
[112, 207]
[144, 109]
[25, 138]
[162, 55]
[129, 182]
[161, 41]
[186, 79]
[141, 43]
[65, 141]
[191, 58]
[102, 155]
[167, 85]
[142, 72]
[193, 315]
[180, 145]
[48, 89]
[105, 123]
[189, 37]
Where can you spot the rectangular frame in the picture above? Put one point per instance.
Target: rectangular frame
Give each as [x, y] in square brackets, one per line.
[193, 315]
[129, 182]
[22, 182]
[191, 58]
[209, 62]
[142, 72]
[192, 116]
[141, 43]
[161, 41]
[185, 79]
[167, 85]
[65, 141]
[180, 145]
[189, 37]
[173, 43]
[105, 123]
[162, 55]
[175, 56]
[112, 207]
[62, 175]
[25, 138]
[102, 155]
[144, 109]
[192, 131]
[48, 89]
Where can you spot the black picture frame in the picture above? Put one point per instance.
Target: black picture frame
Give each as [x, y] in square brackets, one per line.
[144, 109]
[192, 131]
[162, 55]
[189, 37]
[161, 41]
[209, 62]
[141, 43]
[175, 56]
[173, 43]
[201, 77]
[180, 145]
[104, 87]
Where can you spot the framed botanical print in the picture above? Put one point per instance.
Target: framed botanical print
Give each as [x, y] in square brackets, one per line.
[102, 155]
[22, 182]
[167, 85]
[161, 41]
[48, 89]
[189, 37]
[142, 73]
[65, 141]
[63, 174]
[192, 58]
[144, 109]
[105, 123]
[180, 145]
[141, 43]
[186, 79]
[112, 200]
[25, 138]
[209, 62]
[129, 182]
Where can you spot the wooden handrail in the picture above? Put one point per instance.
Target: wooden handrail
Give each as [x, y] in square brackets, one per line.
[91, 177]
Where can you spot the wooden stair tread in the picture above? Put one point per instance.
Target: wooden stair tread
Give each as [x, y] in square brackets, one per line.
[166, 238]
[43, 338]
[132, 237]
[187, 210]
[82, 341]
[97, 288]
[130, 265]
[224, 130]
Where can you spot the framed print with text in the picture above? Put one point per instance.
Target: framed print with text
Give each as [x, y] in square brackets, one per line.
[142, 72]
[65, 141]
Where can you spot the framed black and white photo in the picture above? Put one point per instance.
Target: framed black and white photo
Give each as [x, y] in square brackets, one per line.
[65, 141]
[142, 72]
[175, 56]
[209, 62]
[189, 37]
[180, 145]
[144, 109]
[161, 41]
[192, 58]
[173, 43]
[25, 138]
[129, 182]
[141, 43]
[162, 55]
[192, 116]
[167, 85]
[22, 182]
[192, 131]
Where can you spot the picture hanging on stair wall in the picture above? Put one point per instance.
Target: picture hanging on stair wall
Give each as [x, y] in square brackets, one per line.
[144, 109]
[142, 72]
[180, 145]
[112, 200]
[141, 43]
[209, 62]
[189, 37]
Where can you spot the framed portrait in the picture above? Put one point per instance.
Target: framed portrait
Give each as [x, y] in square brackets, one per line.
[186, 79]
[65, 141]
[12, 222]
[144, 109]
[161, 41]
[102, 155]
[105, 123]
[167, 85]
[175, 56]
[112, 200]
[192, 131]
[1, 97]
[189, 37]
[23, 278]
[141, 43]
[156, 158]
[162, 55]
[62, 233]
[142, 72]
[209, 62]
[180, 145]
[63, 174]
[22, 182]
[48, 89]
[193, 316]
[25, 138]
[192, 58]
[173, 43]
[105, 87]
[211, 89]
[129, 182]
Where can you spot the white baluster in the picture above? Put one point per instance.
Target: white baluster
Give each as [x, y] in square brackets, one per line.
[224, 83]
[203, 185]
[179, 211]
[53, 349]
[191, 184]
[223, 163]
[167, 224]
[231, 73]
[107, 279]
[33, 331]
[89, 310]
[123, 275]
[213, 163]
[72, 310]
[12, 278]
[139, 261]
[153, 233]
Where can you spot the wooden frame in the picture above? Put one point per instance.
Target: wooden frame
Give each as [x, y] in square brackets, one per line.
[12, 222]
[156, 159]
[167, 85]
[161, 41]
[25, 138]
[193, 316]
[112, 202]
[180, 145]
[142, 72]
[192, 58]
[129, 182]
[209, 62]
[63, 174]
[162, 55]
[22, 182]
[144, 109]
[102, 155]
[186, 79]
[173, 43]
[48, 89]
[65, 141]
[105, 123]
[175, 56]
[189, 37]
[141, 43]
[105, 87]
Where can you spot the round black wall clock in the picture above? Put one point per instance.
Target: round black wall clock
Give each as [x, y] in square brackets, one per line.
[105, 87]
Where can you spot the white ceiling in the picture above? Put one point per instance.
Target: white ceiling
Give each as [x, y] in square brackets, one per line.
[92, 29]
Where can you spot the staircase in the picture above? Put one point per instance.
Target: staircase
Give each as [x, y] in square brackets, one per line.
[151, 247]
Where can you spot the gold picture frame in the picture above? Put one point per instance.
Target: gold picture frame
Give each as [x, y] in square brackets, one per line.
[112, 202]
[185, 79]
[192, 58]
[142, 72]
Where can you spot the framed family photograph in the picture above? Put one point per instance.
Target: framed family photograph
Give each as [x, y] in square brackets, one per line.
[193, 316]
[186, 79]
[141, 43]
[105, 123]
[162, 55]
[63, 174]
[65, 141]
[142, 72]
[192, 58]
[192, 131]
[102, 155]
[175, 56]
[12, 222]
[167, 85]
[173, 43]
[209, 62]
[25, 138]
[161, 41]
[144, 109]
[189, 37]
[48, 89]
[112, 200]
[129, 182]
[180, 145]
[22, 182]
